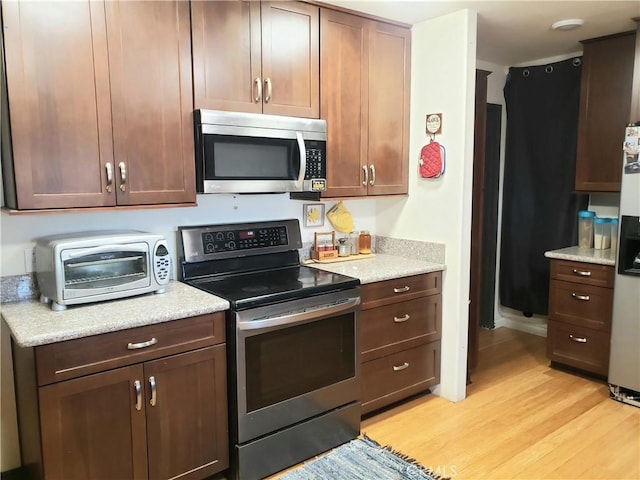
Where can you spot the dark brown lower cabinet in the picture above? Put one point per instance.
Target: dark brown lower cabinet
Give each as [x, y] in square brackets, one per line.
[165, 417]
[580, 306]
[400, 332]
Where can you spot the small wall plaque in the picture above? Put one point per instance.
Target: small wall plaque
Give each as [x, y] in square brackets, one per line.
[434, 123]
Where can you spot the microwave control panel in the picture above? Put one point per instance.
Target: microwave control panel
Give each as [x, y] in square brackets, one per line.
[316, 162]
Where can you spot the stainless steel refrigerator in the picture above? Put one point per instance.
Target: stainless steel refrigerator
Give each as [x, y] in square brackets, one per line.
[624, 360]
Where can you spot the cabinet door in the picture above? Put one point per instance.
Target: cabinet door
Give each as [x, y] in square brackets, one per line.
[187, 424]
[605, 102]
[91, 427]
[290, 59]
[389, 81]
[226, 55]
[344, 84]
[58, 93]
[151, 95]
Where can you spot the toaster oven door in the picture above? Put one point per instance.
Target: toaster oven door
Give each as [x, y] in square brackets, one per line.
[105, 269]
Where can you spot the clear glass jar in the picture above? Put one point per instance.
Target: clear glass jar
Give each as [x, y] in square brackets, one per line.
[364, 242]
[585, 228]
[353, 241]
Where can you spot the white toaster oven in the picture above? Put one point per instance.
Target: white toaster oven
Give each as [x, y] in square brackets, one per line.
[88, 267]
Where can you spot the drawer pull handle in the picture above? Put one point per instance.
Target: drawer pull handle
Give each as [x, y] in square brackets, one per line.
[152, 384]
[582, 273]
[406, 288]
[136, 346]
[584, 298]
[138, 389]
[578, 339]
[402, 319]
[397, 368]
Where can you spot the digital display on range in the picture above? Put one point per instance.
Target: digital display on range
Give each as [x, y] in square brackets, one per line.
[232, 240]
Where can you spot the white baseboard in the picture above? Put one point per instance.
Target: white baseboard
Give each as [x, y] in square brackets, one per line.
[537, 325]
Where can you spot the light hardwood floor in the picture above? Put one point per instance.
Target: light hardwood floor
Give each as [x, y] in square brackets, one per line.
[521, 420]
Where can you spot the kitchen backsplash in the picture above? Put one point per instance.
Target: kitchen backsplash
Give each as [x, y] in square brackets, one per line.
[15, 288]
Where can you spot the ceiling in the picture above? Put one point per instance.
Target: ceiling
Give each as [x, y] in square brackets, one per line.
[517, 31]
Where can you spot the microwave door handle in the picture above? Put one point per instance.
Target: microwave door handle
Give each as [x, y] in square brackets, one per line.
[104, 249]
[303, 159]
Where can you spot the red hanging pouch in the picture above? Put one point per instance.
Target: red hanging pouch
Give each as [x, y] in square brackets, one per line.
[432, 160]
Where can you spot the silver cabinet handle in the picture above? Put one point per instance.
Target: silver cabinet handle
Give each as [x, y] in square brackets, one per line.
[152, 384]
[109, 170]
[582, 273]
[123, 176]
[268, 86]
[373, 175]
[406, 288]
[138, 389]
[136, 346]
[402, 319]
[397, 368]
[578, 339]
[366, 175]
[584, 298]
[258, 97]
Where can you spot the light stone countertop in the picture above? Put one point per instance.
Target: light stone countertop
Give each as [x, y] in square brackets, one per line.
[586, 255]
[33, 323]
[379, 267]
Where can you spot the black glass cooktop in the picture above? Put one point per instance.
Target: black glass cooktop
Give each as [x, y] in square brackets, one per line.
[247, 290]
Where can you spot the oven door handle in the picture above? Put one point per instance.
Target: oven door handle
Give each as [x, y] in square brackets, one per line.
[105, 249]
[300, 317]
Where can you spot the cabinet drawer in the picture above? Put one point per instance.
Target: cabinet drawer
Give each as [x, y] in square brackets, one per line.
[400, 289]
[578, 347]
[391, 328]
[581, 305]
[394, 377]
[586, 273]
[74, 358]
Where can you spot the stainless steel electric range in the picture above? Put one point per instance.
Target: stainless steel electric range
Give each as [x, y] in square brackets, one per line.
[291, 339]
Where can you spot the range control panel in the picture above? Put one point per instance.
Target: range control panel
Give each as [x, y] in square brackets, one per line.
[233, 240]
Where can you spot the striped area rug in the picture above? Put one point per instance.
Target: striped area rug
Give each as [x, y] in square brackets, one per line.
[362, 459]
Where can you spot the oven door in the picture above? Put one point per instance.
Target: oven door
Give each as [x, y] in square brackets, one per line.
[295, 360]
[104, 270]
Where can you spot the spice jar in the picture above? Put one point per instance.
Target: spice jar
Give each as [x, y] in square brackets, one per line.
[364, 242]
[344, 249]
[585, 228]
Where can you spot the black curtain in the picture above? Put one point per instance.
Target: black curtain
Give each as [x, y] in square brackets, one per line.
[539, 208]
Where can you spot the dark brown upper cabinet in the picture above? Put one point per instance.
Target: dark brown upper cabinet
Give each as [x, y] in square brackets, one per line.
[99, 107]
[365, 80]
[260, 57]
[605, 103]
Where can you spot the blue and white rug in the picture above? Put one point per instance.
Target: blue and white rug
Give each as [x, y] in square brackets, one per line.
[362, 459]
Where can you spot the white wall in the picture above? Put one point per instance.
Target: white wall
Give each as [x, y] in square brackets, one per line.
[442, 81]
[20, 230]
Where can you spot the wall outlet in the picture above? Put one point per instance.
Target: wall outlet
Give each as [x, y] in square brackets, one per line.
[29, 260]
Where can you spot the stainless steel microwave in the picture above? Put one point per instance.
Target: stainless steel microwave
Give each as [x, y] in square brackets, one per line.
[88, 267]
[257, 153]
